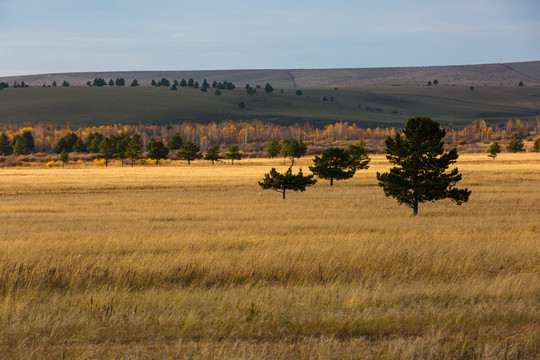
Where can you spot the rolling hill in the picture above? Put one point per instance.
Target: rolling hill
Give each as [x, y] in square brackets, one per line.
[370, 97]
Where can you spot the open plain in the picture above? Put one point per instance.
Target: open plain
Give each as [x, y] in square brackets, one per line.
[198, 262]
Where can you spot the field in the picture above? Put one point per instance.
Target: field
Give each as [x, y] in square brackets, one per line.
[369, 107]
[199, 262]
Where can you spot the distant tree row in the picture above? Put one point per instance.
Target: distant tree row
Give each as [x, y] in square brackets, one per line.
[99, 82]
[122, 147]
[190, 83]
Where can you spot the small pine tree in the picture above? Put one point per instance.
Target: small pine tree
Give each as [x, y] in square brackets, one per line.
[79, 146]
[189, 152]
[233, 153]
[65, 84]
[494, 150]
[273, 149]
[293, 149]
[133, 151]
[5, 145]
[134, 83]
[516, 144]
[175, 142]
[359, 155]
[268, 88]
[19, 147]
[536, 144]
[213, 153]
[64, 157]
[157, 151]
[287, 181]
[107, 150]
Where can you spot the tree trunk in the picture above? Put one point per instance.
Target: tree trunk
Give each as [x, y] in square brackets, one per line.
[331, 181]
[415, 208]
[157, 160]
[283, 194]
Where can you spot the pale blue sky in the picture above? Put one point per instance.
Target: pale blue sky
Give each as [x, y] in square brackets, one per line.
[48, 36]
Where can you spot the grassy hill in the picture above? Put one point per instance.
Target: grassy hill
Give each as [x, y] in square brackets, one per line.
[376, 106]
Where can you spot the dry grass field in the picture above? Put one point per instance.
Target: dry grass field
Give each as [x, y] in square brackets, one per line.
[174, 262]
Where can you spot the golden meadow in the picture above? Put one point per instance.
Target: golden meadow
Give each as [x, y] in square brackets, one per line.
[173, 262]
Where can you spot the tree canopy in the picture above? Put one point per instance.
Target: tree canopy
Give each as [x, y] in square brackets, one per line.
[421, 162]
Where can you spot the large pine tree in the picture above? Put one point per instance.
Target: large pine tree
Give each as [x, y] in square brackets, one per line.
[421, 164]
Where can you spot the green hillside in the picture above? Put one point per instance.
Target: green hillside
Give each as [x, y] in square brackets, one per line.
[374, 106]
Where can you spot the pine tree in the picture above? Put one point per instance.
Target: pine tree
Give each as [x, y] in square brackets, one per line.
[359, 155]
[121, 148]
[233, 153]
[107, 150]
[273, 149]
[333, 164]
[64, 157]
[133, 151]
[5, 145]
[19, 147]
[189, 152]
[157, 151]
[213, 153]
[175, 142]
[516, 144]
[421, 162]
[79, 146]
[293, 149]
[268, 88]
[494, 150]
[287, 181]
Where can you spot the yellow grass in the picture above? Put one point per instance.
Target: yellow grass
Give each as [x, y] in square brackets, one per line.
[177, 262]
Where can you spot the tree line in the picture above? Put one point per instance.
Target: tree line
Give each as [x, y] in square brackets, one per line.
[47, 136]
[130, 148]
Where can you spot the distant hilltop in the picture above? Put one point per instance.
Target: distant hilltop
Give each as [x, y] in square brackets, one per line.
[509, 74]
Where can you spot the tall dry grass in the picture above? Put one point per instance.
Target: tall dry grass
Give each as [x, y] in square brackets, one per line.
[176, 261]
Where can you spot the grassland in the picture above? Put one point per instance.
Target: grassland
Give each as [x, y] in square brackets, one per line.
[199, 262]
[371, 107]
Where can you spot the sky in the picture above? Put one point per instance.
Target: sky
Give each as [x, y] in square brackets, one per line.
[55, 36]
